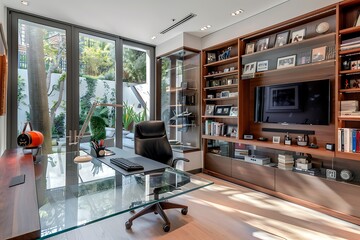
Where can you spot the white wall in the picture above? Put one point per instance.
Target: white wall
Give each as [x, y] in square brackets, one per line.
[2, 118]
[181, 40]
[265, 19]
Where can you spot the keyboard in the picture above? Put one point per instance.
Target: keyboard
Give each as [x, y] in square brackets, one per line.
[126, 164]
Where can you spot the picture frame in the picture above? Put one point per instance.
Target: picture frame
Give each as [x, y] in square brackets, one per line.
[224, 94]
[276, 139]
[209, 109]
[262, 66]
[357, 20]
[222, 110]
[318, 54]
[233, 111]
[211, 57]
[231, 131]
[298, 36]
[262, 44]
[184, 85]
[285, 62]
[250, 48]
[249, 68]
[303, 58]
[282, 39]
[355, 83]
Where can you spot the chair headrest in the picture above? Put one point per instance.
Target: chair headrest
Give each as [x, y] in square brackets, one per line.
[150, 129]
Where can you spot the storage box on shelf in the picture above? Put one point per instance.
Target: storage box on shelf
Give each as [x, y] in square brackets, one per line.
[348, 81]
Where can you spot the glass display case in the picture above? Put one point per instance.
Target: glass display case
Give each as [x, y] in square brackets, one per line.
[179, 74]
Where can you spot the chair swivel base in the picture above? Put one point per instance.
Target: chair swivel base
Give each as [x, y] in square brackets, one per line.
[158, 208]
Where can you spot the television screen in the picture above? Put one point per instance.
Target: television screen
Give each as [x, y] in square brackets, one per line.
[298, 103]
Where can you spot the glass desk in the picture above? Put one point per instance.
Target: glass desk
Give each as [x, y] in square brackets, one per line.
[71, 195]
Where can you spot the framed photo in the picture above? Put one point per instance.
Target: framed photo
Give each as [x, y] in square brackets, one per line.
[282, 99]
[224, 94]
[234, 111]
[286, 62]
[281, 39]
[250, 47]
[354, 83]
[318, 54]
[209, 109]
[262, 66]
[262, 44]
[250, 68]
[298, 36]
[231, 130]
[357, 21]
[211, 57]
[223, 110]
[303, 58]
[276, 139]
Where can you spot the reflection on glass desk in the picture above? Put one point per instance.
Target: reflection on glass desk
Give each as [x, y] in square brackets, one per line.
[71, 195]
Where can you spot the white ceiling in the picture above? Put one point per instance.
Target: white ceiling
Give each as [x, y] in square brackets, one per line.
[142, 19]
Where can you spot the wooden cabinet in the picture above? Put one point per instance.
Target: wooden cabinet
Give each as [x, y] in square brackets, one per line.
[259, 175]
[219, 164]
[348, 80]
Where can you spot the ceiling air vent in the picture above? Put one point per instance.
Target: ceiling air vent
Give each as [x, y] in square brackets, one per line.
[185, 19]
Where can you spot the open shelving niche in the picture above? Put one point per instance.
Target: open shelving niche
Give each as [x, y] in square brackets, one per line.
[348, 14]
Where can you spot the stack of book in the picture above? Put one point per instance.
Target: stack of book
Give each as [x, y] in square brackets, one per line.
[285, 162]
[349, 140]
[350, 43]
[214, 128]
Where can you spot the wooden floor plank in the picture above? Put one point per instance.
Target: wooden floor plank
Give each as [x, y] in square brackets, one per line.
[224, 211]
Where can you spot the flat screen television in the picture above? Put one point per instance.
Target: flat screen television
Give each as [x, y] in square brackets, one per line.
[295, 103]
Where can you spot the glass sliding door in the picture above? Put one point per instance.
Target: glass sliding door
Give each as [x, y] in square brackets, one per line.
[97, 82]
[137, 83]
[41, 81]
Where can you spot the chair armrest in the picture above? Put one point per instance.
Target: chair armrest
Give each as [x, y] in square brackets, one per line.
[175, 160]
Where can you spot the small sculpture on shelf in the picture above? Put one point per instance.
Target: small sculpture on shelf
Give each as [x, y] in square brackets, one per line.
[225, 54]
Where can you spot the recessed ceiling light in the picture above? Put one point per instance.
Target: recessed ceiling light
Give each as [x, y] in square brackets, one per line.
[205, 27]
[153, 37]
[26, 3]
[237, 12]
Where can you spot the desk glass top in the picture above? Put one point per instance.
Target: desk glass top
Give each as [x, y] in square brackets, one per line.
[71, 195]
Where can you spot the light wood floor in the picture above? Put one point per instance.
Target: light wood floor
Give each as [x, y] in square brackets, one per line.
[224, 211]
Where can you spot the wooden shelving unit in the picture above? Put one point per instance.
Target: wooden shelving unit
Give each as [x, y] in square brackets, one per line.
[220, 99]
[221, 87]
[222, 74]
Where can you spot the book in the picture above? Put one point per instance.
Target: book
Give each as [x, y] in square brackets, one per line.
[353, 136]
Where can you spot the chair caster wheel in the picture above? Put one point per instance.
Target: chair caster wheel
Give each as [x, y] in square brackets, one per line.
[128, 224]
[166, 228]
[184, 211]
[132, 211]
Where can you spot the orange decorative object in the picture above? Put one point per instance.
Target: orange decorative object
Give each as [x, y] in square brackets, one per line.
[30, 139]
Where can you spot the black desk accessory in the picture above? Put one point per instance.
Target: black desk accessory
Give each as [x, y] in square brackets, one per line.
[126, 164]
[17, 180]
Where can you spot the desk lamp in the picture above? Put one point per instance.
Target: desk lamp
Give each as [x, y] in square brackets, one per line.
[86, 158]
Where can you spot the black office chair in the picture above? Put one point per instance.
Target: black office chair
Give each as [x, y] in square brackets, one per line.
[151, 142]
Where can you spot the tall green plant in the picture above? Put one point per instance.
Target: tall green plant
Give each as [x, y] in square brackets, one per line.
[128, 115]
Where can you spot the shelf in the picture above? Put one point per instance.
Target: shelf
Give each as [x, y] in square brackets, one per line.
[221, 87]
[350, 30]
[180, 105]
[220, 116]
[350, 90]
[179, 89]
[220, 138]
[349, 118]
[292, 148]
[222, 62]
[221, 74]
[306, 43]
[182, 125]
[355, 71]
[220, 99]
[350, 51]
[297, 69]
[347, 155]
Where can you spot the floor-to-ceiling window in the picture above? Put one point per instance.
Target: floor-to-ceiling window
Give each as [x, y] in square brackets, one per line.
[58, 70]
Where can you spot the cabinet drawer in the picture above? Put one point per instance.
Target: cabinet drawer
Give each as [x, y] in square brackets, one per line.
[219, 164]
[256, 174]
[340, 196]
